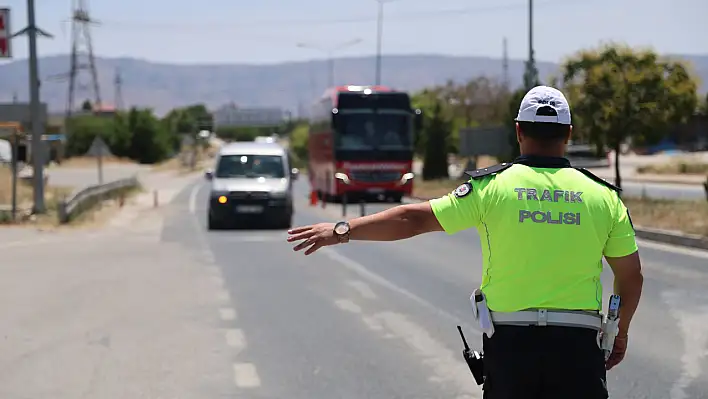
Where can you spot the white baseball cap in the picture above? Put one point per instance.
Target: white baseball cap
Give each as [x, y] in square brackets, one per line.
[544, 96]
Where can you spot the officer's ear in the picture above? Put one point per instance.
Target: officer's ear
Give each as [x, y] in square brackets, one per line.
[570, 133]
[519, 137]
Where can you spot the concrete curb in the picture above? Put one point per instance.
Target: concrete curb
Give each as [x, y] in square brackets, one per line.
[634, 180]
[672, 237]
[657, 235]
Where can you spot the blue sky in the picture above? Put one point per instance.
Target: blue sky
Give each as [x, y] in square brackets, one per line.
[267, 31]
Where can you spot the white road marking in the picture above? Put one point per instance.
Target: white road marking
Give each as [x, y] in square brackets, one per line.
[694, 327]
[375, 278]
[223, 296]
[363, 289]
[193, 198]
[246, 375]
[227, 314]
[348, 305]
[235, 338]
[373, 323]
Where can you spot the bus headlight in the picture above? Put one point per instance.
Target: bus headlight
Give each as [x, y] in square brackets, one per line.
[406, 177]
[342, 177]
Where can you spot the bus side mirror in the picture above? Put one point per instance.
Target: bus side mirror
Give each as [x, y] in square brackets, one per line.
[418, 120]
[335, 118]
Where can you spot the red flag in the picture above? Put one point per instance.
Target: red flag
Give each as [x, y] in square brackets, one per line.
[3, 46]
[2, 20]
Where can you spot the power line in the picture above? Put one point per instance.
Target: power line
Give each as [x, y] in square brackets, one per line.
[417, 15]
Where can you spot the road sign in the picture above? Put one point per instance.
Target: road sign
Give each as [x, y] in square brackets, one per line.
[5, 33]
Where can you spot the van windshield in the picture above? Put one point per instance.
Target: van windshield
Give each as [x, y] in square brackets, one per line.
[250, 166]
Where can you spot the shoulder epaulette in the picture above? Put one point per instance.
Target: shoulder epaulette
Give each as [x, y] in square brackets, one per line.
[482, 172]
[598, 179]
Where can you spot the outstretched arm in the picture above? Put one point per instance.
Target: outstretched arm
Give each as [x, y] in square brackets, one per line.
[397, 223]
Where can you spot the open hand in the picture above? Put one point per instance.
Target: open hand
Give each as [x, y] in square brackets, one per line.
[618, 351]
[315, 237]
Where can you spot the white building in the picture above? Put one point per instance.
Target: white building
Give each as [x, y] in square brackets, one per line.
[233, 115]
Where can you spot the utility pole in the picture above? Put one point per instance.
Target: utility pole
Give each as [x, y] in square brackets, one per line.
[81, 35]
[32, 31]
[329, 51]
[379, 38]
[505, 66]
[118, 91]
[531, 73]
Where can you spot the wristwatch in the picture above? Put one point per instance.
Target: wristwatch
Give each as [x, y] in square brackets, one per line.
[341, 231]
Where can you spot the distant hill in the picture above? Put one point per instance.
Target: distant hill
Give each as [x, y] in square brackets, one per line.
[165, 86]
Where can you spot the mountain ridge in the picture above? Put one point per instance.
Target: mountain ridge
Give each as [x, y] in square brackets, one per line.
[290, 85]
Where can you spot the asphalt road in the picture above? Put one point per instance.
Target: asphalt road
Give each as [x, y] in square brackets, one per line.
[378, 320]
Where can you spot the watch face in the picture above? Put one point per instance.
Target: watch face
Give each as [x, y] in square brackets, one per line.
[341, 228]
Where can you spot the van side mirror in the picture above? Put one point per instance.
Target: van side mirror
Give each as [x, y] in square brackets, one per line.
[209, 175]
[294, 173]
[335, 118]
[418, 120]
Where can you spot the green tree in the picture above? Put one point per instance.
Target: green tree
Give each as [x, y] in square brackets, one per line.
[620, 94]
[531, 79]
[512, 111]
[150, 142]
[86, 106]
[246, 133]
[82, 130]
[436, 145]
[299, 144]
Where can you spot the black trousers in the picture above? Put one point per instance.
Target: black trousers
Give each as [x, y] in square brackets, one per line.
[546, 362]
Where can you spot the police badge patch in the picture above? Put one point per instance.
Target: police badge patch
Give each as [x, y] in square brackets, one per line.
[462, 190]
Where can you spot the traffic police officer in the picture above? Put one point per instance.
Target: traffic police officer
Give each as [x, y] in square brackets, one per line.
[545, 227]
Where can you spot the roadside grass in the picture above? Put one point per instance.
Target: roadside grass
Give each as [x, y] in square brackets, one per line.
[681, 167]
[24, 189]
[678, 215]
[24, 202]
[96, 214]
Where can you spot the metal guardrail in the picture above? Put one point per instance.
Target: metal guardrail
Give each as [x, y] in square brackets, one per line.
[70, 207]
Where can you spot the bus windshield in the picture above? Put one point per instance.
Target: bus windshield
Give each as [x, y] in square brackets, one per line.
[381, 131]
[250, 166]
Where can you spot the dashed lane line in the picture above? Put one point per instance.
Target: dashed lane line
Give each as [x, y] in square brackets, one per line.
[236, 339]
[227, 314]
[246, 375]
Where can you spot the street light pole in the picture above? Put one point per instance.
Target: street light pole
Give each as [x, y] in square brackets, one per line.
[329, 51]
[379, 39]
[32, 31]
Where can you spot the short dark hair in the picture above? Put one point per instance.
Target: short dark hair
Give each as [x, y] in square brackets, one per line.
[545, 131]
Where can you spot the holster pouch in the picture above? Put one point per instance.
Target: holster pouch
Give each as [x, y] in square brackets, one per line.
[481, 312]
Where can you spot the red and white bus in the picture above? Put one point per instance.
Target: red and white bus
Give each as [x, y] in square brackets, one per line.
[361, 143]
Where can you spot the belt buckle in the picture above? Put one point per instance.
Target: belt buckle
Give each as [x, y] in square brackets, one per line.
[542, 317]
